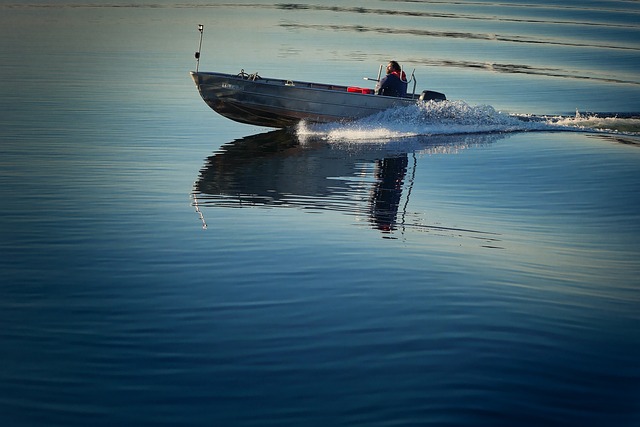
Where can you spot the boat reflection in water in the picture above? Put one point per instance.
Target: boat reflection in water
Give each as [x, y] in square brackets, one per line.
[278, 169]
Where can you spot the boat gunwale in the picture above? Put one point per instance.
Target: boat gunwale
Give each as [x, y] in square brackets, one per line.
[299, 84]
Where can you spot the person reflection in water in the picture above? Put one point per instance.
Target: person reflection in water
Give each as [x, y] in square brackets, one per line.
[386, 194]
[394, 83]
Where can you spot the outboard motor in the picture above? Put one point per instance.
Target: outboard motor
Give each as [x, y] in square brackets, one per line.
[429, 95]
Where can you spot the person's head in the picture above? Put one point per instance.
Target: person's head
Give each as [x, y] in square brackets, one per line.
[393, 66]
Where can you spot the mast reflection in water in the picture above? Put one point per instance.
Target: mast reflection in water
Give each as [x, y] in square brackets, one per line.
[363, 179]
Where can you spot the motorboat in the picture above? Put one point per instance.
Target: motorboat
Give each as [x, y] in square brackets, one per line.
[279, 103]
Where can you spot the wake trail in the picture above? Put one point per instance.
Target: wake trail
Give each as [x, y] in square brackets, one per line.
[457, 117]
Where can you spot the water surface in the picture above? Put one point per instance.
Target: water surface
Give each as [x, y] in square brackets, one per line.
[472, 263]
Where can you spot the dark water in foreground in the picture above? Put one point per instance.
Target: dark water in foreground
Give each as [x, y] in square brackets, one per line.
[160, 265]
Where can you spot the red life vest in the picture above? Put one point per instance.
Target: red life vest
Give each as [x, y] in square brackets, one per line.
[402, 77]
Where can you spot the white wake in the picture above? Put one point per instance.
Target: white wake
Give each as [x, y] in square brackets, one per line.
[457, 117]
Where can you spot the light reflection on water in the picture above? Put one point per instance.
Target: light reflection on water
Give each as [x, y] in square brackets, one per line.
[456, 280]
[504, 247]
[528, 212]
[363, 179]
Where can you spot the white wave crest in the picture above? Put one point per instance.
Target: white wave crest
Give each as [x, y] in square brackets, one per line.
[455, 117]
[594, 123]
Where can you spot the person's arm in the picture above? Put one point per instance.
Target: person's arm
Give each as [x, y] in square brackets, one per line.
[381, 85]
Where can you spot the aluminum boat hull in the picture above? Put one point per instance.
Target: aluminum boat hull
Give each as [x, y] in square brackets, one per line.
[281, 103]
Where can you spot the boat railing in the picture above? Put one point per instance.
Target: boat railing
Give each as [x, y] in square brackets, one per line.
[415, 81]
[377, 79]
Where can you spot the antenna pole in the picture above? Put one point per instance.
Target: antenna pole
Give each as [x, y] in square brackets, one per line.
[201, 29]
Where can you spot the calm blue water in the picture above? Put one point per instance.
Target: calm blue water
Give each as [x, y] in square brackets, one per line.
[451, 265]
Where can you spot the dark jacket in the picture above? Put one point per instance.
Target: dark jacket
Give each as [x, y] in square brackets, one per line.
[391, 85]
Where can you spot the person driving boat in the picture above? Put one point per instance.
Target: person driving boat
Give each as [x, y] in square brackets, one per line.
[394, 83]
